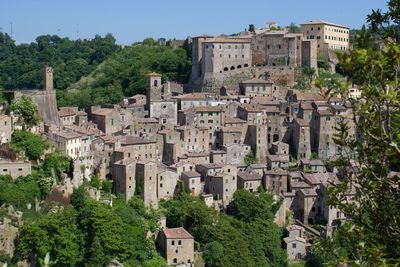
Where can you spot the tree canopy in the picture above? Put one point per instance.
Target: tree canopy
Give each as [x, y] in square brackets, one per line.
[372, 237]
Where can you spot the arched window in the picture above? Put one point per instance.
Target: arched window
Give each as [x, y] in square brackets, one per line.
[232, 68]
[226, 69]
[246, 65]
[239, 66]
[155, 83]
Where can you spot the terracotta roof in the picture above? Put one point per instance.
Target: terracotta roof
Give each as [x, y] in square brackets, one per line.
[262, 100]
[307, 96]
[66, 111]
[209, 109]
[179, 233]
[67, 135]
[249, 176]
[102, 111]
[191, 174]
[234, 120]
[280, 158]
[324, 112]
[196, 96]
[133, 140]
[251, 108]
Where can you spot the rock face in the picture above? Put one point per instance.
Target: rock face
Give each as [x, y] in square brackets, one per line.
[8, 234]
[212, 82]
[46, 103]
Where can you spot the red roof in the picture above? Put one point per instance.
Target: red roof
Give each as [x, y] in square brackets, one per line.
[179, 232]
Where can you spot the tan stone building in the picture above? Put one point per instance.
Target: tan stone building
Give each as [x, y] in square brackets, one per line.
[329, 36]
[257, 87]
[249, 181]
[177, 246]
[5, 129]
[15, 168]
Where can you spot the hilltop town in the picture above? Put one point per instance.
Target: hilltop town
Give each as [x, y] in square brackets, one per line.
[240, 123]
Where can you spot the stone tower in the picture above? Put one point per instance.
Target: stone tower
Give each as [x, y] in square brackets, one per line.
[154, 88]
[48, 79]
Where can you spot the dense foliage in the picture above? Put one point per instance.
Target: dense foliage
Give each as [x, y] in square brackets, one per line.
[28, 144]
[124, 73]
[21, 65]
[26, 111]
[372, 238]
[247, 236]
[89, 233]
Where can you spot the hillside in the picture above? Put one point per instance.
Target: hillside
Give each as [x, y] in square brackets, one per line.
[124, 73]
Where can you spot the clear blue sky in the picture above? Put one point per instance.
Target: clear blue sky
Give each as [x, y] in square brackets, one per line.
[134, 20]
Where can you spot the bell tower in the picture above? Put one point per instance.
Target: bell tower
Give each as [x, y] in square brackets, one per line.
[48, 78]
[154, 88]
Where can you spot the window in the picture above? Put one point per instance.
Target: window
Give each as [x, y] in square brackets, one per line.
[293, 245]
[160, 185]
[179, 242]
[173, 242]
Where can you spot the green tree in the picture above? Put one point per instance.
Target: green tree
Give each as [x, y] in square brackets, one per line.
[373, 234]
[32, 146]
[26, 110]
[252, 28]
[250, 158]
[213, 253]
[293, 28]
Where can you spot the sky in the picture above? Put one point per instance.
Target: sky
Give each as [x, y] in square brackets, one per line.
[133, 20]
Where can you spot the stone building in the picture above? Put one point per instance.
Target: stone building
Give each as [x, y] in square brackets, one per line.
[250, 181]
[193, 183]
[158, 101]
[8, 236]
[146, 179]
[310, 205]
[15, 168]
[276, 180]
[68, 142]
[222, 186]
[223, 54]
[301, 139]
[5, 129]
[177, 246]
[279, 48]
[322, 130]
[124, 177]
[257, 87]
[296, 248]
[107, 120]
[67, 115]
[192, 100]
[256, 137]
[167, 180]
[277, 161]
[329, 36]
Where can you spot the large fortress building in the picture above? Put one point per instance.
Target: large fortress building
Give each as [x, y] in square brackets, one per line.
[227, 60]
[329, 36]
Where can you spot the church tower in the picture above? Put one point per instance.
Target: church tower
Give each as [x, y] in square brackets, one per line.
[154, 88]
[48, 79]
